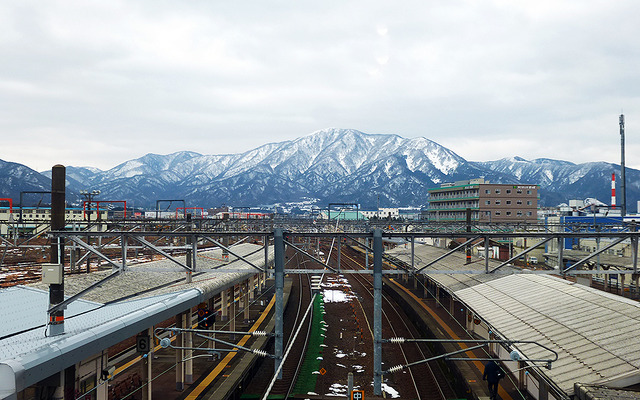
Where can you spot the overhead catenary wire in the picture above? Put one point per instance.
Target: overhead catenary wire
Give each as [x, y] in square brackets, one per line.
[286, 354]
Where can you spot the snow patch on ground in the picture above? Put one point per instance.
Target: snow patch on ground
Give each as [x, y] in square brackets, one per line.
[337, 290]
[337, 389]
[335, 296]
[390, 391]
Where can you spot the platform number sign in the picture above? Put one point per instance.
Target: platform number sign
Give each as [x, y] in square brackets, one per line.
[143, 344]
[357, 395]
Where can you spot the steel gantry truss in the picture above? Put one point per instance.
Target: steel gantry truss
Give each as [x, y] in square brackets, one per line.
[195, 239]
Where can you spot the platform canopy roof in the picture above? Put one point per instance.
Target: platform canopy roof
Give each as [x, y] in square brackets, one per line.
[454, 263]
[594, 332]
[135, 300]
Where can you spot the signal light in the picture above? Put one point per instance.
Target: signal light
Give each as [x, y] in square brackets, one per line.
[205, 318]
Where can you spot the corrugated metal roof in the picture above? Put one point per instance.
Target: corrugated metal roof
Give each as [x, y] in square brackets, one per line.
[456, 261]
[157, 277]
[594, 333]
[28, 357]
[593, 392]
[22, 308]
[154, 291]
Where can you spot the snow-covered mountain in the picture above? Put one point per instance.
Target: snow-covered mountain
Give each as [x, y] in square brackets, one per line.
[563, 180]
[332, 165]
[16, 178]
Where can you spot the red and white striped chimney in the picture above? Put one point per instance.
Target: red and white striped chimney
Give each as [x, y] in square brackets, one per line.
[613, 191]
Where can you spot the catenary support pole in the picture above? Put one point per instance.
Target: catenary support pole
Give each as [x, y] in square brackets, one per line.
[623, 178]
[468, 251]
[377, 312]
[266, 255]
[339, 251]
[413, 253]
[486, 254]
[561, 255]
[279, 287]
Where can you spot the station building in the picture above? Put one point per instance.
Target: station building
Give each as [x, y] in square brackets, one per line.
[488, 202]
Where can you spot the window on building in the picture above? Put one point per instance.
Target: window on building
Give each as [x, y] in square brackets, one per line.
[488, 202]
[519, 213]
[497, 191]
[519, 191]
[487, 191]
[528, 202]
[497, 202]
[528, 191]
[508, 202]
[497, 212]
[508, 191]
[529, 213]
[508, 212]
[519, 202]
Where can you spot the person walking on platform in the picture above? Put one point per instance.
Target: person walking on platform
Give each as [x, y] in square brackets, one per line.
[492, 374]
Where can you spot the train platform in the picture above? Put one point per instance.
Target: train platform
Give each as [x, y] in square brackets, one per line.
[443, 325]
[214, 376]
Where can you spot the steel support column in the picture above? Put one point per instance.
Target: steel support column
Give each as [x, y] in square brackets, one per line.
[279, 286]
[339, 252]
[366, 260]
[377, 312]
[245, 301]
[224, 305]
[188, 368]
[561, 255]
[123, 244]
[266, 253]
[486, 254]
[212, 307]
[413, 253]
[232, 309]
[179, 356]
[147, 368]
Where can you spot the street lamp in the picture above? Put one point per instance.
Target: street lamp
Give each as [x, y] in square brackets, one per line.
[88, 199]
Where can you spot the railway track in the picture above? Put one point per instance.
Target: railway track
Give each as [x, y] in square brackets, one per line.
[425, 381]
[292, 365]
[299, 300]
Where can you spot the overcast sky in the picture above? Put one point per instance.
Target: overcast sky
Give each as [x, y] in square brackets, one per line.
[96, 83]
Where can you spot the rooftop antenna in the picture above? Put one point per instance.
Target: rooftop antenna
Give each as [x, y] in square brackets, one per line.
[623, 184]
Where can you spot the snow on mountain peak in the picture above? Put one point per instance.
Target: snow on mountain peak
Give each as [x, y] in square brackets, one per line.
[329, 164]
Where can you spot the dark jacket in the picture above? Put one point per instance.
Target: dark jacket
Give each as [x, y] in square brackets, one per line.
[492, 372]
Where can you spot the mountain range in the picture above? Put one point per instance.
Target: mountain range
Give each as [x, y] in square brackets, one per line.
[330, 165]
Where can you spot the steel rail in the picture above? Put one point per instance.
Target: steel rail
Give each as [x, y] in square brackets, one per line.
[390, 304]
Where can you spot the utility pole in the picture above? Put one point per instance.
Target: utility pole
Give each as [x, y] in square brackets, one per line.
[377, 312]
[56, 291]
[88, 200]
[623, 185]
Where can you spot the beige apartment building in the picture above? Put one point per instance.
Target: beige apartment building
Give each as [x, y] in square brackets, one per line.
[488, 202]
